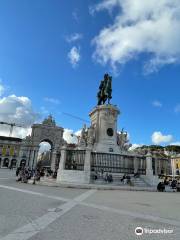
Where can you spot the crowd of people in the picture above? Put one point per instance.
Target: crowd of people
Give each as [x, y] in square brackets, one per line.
[108, 177]
[23, 174]
[172, 183]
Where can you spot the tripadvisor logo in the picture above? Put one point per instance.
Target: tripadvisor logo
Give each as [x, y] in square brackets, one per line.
[139, 231]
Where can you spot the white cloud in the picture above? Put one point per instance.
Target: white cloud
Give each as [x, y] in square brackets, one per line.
[74, 37]
[52, 100]
[19, 132]
[134, 146]
[157, 103]
[158, 138]
[154, 64]
[78, 133]
[69, 136]
[2, 89]
[75, 15]
[140, 27]
[177, 108]
[108, 4]
[17, 110]
[175, 143]
[74, 56]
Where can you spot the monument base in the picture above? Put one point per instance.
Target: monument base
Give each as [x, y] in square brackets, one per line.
[106, 148]
[151, 180]
[104, 121]
[73, 176]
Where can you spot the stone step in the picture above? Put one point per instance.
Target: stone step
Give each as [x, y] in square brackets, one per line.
[138, 182]
[117, 180]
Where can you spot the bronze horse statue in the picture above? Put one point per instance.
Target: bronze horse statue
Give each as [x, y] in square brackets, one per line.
[105, 90]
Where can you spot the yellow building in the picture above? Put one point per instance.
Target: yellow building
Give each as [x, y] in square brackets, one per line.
[9, 151]
[175, 163]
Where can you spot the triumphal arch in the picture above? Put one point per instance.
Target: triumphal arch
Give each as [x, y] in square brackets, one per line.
[47, 131]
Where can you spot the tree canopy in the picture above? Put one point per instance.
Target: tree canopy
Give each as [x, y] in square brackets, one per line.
[169, 148]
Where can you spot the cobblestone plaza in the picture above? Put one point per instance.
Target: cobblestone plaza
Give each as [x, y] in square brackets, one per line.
[40, 212]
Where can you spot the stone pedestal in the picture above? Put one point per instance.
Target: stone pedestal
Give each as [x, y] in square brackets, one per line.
[74, 176]
[149, 178]
[104, 121]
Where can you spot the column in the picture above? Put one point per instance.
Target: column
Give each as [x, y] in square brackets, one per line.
[53, 160]
[149, 170]
[28, 157]
[141, 163]
[173, 169]
[126, 163]
[2, 161]
[135, 164]
[32, 159]
[61, 164]
[18, 161]
[87, 165]
[34, 163]
[62, 159]
[156, 167]
[10, 160]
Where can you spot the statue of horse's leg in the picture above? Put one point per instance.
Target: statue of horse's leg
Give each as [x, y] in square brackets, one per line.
[104, 99]
[99, 101]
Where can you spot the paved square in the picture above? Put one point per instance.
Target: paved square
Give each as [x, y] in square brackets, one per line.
[40, 212]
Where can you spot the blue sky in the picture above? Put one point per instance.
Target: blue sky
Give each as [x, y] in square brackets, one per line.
[54, 54]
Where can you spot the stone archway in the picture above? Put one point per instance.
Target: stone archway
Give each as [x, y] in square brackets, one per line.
[46, 131]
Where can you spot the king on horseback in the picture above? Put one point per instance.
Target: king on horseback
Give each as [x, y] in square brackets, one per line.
[105, 90]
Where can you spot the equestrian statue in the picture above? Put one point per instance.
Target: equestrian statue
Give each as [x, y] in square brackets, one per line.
[105, 90]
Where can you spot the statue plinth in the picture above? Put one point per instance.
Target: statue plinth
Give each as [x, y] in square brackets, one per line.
[104, 121]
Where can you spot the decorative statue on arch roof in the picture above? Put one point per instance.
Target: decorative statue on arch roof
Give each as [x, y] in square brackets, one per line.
[49, 121]
[105, 90]
[27, 139]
